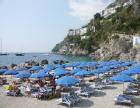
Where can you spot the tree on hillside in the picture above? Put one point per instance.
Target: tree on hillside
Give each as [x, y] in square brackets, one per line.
[97, 16]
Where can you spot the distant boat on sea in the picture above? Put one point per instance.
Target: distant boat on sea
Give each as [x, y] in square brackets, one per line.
[1, 52]
[19, 54]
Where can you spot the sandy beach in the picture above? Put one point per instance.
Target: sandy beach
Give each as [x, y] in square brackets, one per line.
[100, 99]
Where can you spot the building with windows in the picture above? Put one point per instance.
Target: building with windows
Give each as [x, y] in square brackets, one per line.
[74, 32]
[108, 11]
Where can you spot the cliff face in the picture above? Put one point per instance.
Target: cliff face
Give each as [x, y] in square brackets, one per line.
[109, 38]
[137, 7]
[117, 49]
[68, 47]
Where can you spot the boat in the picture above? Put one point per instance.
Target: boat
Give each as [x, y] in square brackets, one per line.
[1, 52]
[19, 54]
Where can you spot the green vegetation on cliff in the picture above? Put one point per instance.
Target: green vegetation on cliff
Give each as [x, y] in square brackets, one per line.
[100, 29]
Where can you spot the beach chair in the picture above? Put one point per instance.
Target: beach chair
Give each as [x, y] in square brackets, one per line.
[100, 85]
[85, 91]
[125, 96]
[134, 84]
[120, 100]
[42, 94]
[13, 92]
[34, 94]
[66, 100]
[133, 87]
[9, 93]
[131, 92]
[108, 82]
[75, 97]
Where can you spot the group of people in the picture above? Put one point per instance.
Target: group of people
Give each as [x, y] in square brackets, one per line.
[13, 89]
[30, 85]
[40, 84]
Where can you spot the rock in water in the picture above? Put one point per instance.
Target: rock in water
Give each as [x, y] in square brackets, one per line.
[44, 62]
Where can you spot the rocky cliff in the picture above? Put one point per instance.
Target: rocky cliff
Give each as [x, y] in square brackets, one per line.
[109, 38]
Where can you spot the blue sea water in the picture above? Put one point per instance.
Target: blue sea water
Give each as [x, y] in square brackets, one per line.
[12, 59]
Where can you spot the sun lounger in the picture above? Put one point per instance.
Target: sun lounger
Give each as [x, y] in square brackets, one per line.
[69, 100]
[123, 101]
[125, 96]
[13, 92]
[133, 88]
[107, 81]
[86, 91]
[99, 85]
[133, 84]
[66, 100]
[75, 97]
[131, 92]
[34, 94]
[8, 93]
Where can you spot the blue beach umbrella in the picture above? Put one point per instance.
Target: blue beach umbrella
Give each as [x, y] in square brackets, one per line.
[73, 71]
[22, 75]
[110, 63]
[34, 68]
[43, 74]
[43, 70]
[130, 72]
[39, 75]
[98, 71]
[58, 66]
[122, 78]
[106, 68]
[48, 67]
[67, 81]
[132, 62]
[3, 70]
[68, 65]
[135, 67]
[10, 72]
[21, 69]
[35, 75]
[60, 71]
[82, 73]
[124, 64]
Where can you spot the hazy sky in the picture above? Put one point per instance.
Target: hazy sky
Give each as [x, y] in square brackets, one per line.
[37, 25]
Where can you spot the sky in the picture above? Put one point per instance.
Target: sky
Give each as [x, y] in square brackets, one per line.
[38, 25]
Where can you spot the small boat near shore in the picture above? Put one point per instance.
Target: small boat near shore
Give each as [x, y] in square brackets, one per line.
[19, 54]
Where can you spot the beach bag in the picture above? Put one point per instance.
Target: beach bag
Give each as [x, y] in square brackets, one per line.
[8, 87]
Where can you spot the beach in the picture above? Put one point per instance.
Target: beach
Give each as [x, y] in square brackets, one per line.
[100, 99]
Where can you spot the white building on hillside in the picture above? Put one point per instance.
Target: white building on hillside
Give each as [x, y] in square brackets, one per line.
[128, 3]
[109, 11]
[84, 37]
[83, 30]
[71, 32]
[74, 32]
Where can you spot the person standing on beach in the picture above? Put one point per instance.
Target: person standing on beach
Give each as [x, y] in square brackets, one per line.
[28, 88]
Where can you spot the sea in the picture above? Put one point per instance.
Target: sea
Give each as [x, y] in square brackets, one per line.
[7, 60]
